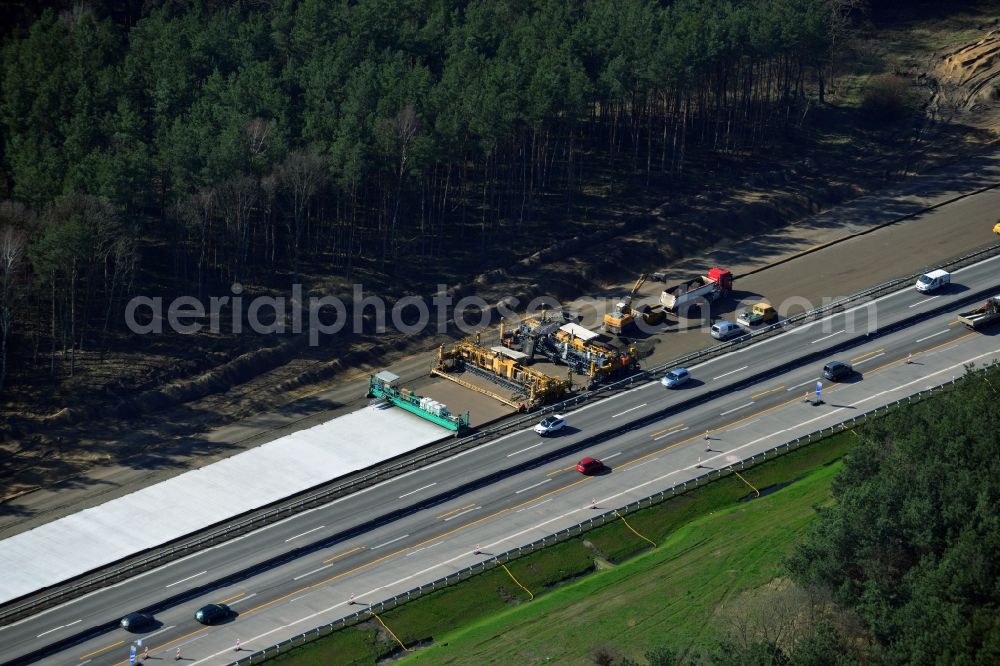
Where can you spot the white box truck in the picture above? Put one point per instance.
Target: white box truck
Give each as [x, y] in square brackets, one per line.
[933, 281]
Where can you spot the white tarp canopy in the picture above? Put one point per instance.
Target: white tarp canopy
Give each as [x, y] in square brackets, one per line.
[509, 353]
[194, 500]
[578, 331]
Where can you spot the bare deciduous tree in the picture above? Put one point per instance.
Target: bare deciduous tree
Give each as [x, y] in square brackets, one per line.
[404, 128]
[77, 232]
[257, 131]
[195, 213]
[13, 245]
[300, 175]
[237, 197]
[778, 615]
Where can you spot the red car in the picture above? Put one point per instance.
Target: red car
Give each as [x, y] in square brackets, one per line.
[589, 466]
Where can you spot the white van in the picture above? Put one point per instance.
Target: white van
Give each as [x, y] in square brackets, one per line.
[932, 281]
[724, 330]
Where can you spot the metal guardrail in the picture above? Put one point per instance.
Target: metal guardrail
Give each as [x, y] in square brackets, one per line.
[609, 516]
[269, 515]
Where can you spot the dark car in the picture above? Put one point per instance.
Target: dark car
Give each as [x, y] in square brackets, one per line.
[837, 370]
[589, 466]
[213, 613]
[136, 621]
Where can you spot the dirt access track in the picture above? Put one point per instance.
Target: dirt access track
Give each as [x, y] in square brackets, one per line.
[871, 240]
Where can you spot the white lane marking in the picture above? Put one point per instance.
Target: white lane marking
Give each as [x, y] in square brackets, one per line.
[614, 416]
[726, 374]
[537, 504]
[50, 631]
[672, 432]
[736, 409]
[769, 435]
[446, 563]
[414, 552]
[933, 335]
[178, 582]
[524, 490]
[523, 450]
[843, 330]
[924, 301]
[744, 425]
[309, 573]
[86, 662]
[806, 383]
[565, 515]
[239, 601]
[417, 490]
[611, 456]
[305, 533]
[462, 513]
[643, 463]
[868, 359]
[399, 538]
[62, 626]
[160, 631]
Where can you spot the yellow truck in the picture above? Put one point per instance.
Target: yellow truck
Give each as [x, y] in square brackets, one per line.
[623, 316]
[761, 313]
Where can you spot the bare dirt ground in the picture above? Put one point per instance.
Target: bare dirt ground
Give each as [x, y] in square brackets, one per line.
[194, 417]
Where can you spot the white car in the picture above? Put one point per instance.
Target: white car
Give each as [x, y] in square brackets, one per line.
[550, 424]
[675, 377]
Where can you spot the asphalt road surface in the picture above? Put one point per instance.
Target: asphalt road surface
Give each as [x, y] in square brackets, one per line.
[295, 575]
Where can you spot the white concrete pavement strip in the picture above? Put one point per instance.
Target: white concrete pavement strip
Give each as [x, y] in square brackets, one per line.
[343, 593]
[196, 499]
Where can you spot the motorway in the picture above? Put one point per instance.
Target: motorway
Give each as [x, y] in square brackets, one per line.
[297, 574]
[176, 440]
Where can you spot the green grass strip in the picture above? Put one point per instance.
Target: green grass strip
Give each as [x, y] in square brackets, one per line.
[712, 546]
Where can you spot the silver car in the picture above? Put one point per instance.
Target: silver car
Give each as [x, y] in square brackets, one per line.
[724, 330]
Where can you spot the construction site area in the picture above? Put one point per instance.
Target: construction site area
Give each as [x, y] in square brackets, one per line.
[548, 356]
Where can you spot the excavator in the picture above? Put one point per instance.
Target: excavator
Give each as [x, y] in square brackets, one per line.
[623, 317]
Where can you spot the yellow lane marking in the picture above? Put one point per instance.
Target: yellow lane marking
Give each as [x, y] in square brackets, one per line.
[926, 351]
[950, 342]
[719, 429]
[531, 501]
[660, 432]
[665, 448]
[757, 395]
[344, 554]
[467, 506]
[103, 649]
[560, 471]
[169, 643]
[403, 550]
[551, 492]
[274, 601]
[952, 323]
[503, 511]
[231, 598]
[871, 353]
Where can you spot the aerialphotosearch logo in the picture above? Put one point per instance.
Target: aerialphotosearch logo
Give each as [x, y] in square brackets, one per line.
[321, 315]
[411, 315]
